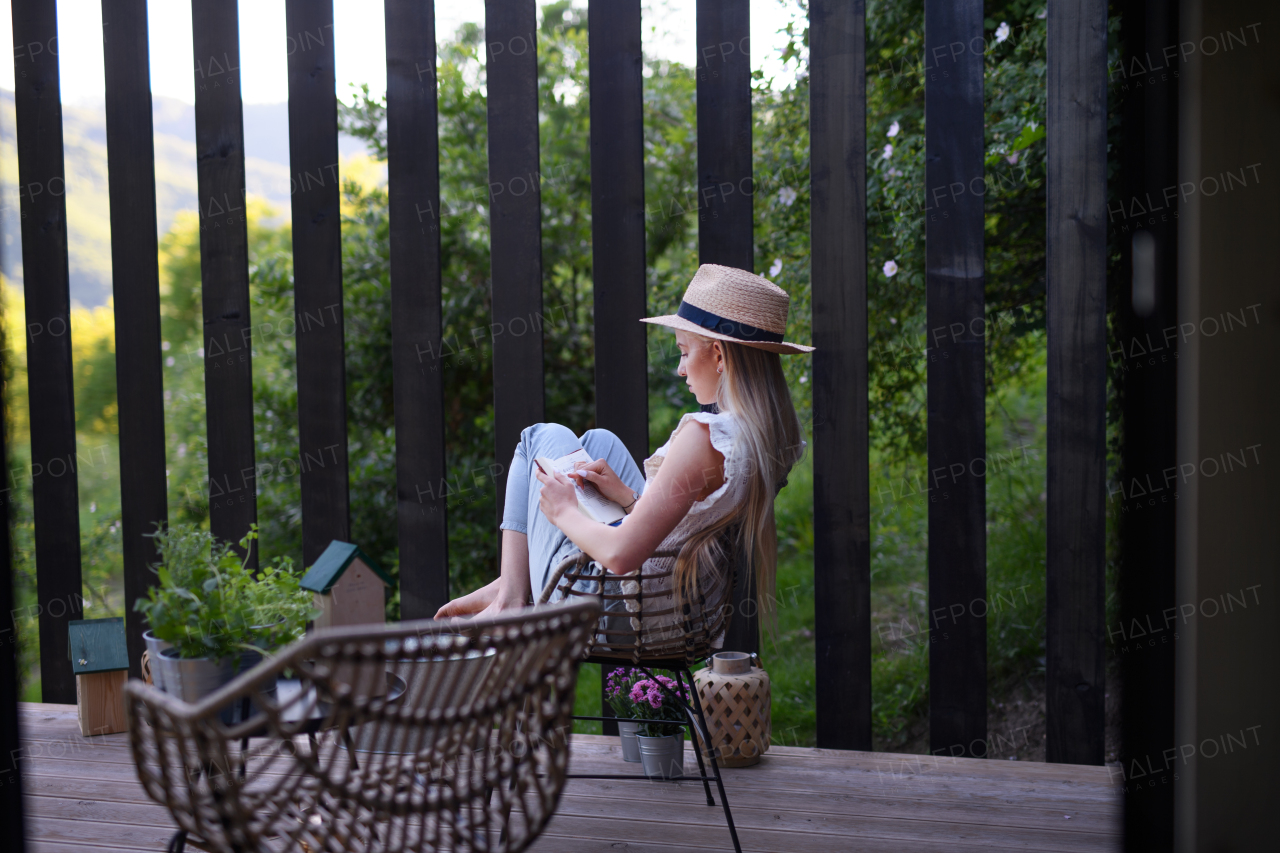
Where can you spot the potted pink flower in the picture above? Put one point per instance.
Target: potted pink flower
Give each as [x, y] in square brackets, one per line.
[660, 738]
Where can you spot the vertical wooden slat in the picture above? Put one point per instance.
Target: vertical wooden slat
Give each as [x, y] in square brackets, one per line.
[1076, 257]
[414, 200]
[42, 199]
[12, 820]
[1147, 579]
[224, 269]
[725, 189]
[515, 224]
[838, 258]
[617, 228]
[956, 387]
[135, 277]
[317, 275]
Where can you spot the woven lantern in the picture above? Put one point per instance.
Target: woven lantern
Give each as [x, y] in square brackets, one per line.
[735, 695]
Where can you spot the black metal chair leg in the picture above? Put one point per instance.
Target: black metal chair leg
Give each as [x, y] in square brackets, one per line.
[681, 674]
[715, 769]
[178, 842]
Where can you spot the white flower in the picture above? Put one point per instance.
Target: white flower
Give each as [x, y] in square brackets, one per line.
[164, 345]
[890, 268]
[1013, 158]
[787, 196]
[888, 151]
[804, 379]
[776, 268]
[894, 128]
[894, 173]
[93, 506]
[893, 321]
[1042, 14]
[1002, 31]
[169, 361]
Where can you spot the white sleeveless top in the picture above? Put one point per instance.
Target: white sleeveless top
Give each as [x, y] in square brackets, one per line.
[724, 431]
[714, 592]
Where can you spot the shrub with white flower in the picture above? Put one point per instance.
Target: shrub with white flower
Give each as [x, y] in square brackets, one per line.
[775, 268]
[890, 268]
[1002, 31]
[787, 196]
[893, 129]
[888, 151]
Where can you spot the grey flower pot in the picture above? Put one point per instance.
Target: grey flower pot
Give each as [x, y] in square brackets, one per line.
[662, 757]
[630, 746]
[192, 679]
[155, 646]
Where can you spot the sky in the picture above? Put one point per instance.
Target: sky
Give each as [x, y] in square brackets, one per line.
[361, 57]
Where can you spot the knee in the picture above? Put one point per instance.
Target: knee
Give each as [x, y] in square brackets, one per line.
[599, 434]
[544, 434]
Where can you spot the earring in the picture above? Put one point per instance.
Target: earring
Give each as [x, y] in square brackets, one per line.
[720, 369]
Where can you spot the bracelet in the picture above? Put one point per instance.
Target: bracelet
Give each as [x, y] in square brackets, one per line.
[634, 497]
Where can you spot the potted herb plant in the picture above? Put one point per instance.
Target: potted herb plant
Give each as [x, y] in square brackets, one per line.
[617, 692]
[217, 614]
[661, 740]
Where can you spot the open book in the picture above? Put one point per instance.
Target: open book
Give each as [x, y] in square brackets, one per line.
[591, 503]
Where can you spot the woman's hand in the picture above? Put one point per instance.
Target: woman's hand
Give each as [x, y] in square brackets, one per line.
[489, 600]
[600, 475]
[559, 495]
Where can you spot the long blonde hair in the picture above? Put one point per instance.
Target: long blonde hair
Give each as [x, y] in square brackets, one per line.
[754, 390]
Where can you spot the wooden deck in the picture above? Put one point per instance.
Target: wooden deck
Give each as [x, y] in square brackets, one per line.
[83, 795]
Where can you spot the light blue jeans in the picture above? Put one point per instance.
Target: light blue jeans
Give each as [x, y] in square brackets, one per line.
[520, 512]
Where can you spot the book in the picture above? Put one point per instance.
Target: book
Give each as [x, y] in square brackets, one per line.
[591, 503]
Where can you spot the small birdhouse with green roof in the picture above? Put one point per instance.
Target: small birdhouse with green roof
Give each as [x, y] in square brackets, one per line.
[349, 588]
[100, 660]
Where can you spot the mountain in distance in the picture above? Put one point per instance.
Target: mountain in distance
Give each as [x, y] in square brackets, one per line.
[84, 134]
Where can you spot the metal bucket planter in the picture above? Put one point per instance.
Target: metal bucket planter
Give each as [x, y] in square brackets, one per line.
[192, 679]
[662, 757]
[630, 746]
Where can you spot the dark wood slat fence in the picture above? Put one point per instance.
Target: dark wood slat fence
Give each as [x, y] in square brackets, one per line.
[135, 275]
[42, 201]
[955, 325]
[317, 275]
[414, 206]
[726, 191]
[224, 270]
[617, 229]
[515, 225]
[1077, 288]
[726, 186]
[841, 476]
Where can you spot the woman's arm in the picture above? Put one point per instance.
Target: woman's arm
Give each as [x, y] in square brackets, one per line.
[692, 469]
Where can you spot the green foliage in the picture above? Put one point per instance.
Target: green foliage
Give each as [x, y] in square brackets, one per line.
[209, 603]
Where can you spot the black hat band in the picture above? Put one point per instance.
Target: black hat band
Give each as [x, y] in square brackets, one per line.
[732, 328]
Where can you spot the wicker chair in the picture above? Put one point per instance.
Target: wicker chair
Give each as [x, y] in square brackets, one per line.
[639, 625]
[448, 735]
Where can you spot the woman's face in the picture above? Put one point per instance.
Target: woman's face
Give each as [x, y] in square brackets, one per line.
[700, 360]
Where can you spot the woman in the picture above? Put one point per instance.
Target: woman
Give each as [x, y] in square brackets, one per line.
[718, 468]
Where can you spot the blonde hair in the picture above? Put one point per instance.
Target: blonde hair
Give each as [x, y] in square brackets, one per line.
[754, 390]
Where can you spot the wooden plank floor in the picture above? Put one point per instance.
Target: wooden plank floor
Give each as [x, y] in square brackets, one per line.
[83, 795]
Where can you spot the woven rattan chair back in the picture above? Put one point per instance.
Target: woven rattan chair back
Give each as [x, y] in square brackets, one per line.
[639, 620]
[448, 735]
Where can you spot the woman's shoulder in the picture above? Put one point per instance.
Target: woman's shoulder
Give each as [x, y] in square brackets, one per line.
[722, 428]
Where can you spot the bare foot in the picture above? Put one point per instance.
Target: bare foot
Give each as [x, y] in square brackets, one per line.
[471, 603]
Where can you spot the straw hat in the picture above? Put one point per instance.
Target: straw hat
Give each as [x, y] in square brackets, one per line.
[734, 305]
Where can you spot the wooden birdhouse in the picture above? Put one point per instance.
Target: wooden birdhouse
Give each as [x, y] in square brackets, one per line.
[100, 661]
[349, 588]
